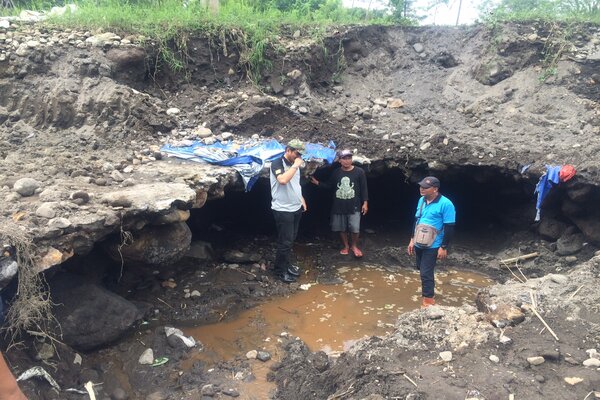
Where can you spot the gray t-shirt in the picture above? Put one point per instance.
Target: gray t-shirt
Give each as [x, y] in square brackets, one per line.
[285, 197]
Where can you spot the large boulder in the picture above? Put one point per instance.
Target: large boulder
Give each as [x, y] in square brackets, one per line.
[89, 315]
[154, 245]
[551, 228]
[569, 244]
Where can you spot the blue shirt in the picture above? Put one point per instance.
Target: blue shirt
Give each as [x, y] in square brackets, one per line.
[437, 213]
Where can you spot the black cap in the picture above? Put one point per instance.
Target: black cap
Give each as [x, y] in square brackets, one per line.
[430, 181]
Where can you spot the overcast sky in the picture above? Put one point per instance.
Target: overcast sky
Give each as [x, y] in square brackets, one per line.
[443, 15]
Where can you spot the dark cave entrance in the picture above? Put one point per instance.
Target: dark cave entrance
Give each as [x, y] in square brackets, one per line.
[491, 203]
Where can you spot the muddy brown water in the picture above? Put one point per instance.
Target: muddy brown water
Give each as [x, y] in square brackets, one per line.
[327, 317]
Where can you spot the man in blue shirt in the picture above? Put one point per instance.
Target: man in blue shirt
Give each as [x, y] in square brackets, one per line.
[434, 226]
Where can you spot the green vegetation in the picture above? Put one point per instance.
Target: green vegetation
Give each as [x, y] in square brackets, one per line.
[252, 26]
[544, 10]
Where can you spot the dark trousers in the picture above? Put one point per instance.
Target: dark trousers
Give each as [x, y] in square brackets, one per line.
[287, 224]
[426, 259]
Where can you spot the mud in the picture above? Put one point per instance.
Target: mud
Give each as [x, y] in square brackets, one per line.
[480, 107]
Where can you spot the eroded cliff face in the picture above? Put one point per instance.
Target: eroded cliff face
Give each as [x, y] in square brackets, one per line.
[89, 113]
[83, 118]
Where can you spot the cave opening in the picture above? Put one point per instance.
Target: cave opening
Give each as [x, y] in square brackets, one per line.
[491, 203]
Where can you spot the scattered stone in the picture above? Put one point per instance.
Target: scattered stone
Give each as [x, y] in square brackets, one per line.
[235, 256]
[252, 354]
[537, 360]
[560, 279]
[231, 392]
[156, 396]
[434, 313]
[494, 358]
[147, 357]
[59, 223]
[46, 352]
[102, 39]
[573, 380]
[26, 186]
[202, 132]
[195, 293]
[425, 146]
[47, 210]
[226, 135]
[263, 356]
[80, 197]
[569, 244]
[532, 37]
[418, 47]
[540, 378]
[173, 111]
[294, 74]
[117, 176]
[209, 390]
[119, 394]
[446, 356]
[592, 362]
[395, 103]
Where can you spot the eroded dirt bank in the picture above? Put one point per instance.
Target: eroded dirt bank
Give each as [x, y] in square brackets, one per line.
[82, 120]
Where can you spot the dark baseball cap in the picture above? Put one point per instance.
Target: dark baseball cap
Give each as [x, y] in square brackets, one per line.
[345, 153]
[430, 181]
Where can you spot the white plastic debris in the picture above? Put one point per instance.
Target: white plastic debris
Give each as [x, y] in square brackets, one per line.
[41, 372]
[187, 340]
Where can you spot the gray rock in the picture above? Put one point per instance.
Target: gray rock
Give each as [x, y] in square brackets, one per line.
[157, 396]
[209, 390]
[59, 223]
[26, 186]
[154, 245]
[580, 194]
[147, 357]
[319, 361]
[535, 360]
[200, 250]
[117, 176]
[263, 356]
[569, 244]
[235, 256]
[231, 392]
[47, 210]
[557, 278]
[119, 394]
[418, 47]
[89, 316]
[551, 229]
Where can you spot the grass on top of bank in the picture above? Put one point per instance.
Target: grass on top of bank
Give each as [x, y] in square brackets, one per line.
[164, 18]
[253, 25]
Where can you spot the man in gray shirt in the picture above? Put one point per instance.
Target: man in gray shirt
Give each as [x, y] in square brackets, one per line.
[287, 205]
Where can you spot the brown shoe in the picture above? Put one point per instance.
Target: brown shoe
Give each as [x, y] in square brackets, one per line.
[427, 301]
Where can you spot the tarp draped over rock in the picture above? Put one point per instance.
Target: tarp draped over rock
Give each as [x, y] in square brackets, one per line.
[248, 159]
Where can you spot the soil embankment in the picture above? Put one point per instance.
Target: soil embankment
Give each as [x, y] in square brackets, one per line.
[83, 117]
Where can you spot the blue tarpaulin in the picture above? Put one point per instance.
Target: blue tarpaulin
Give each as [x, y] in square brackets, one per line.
[249, 159]
[547, 181]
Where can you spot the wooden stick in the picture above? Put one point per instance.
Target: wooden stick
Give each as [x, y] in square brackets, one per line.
[519, 258]
[522, 274]
[410, 380]
[575, 292]
[513, 274]
[542, 319]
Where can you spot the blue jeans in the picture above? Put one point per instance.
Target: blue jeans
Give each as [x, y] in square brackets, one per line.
[287, 224]
[426, 259]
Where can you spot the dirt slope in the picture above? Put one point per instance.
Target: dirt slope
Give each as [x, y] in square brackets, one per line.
[84, 116]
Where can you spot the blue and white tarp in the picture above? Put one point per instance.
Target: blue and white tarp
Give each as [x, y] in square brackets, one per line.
[248, 159]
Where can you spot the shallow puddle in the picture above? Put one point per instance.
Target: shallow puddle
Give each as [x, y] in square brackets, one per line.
[331, 317]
